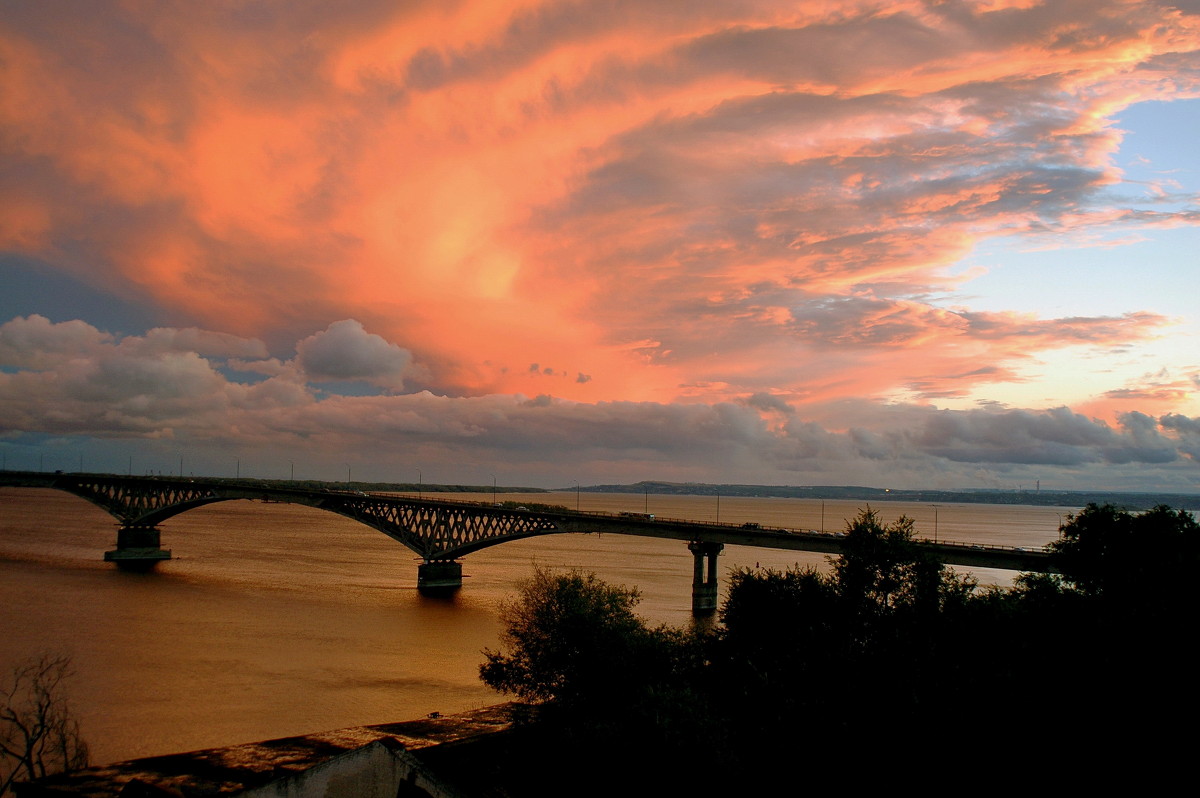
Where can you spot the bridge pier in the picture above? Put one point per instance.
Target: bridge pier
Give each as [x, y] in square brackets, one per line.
[439, 576]
[704, 580]
[137, 548]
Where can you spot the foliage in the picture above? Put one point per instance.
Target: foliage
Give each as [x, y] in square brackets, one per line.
[883, 577]
[886, 648]
[568, 635]
[574, 643]
[1137, 560]
[38, 735]
[867, 631]
[882, 570]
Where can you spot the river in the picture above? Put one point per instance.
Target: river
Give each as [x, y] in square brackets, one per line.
[276, 619]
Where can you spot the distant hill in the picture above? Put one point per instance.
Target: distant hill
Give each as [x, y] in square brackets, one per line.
[1050, 498]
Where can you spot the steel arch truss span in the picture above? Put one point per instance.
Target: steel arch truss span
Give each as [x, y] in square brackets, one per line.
[436, 530]
[141, 502]
[439, 531]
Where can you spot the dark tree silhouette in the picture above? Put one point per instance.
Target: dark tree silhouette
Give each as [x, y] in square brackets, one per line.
[568, 636]
[38, 735]
[879, 659]
[1136, 560]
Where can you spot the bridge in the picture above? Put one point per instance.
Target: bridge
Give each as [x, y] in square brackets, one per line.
[444, 531]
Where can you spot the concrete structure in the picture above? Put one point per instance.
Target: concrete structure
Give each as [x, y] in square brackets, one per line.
[381, 769]
[443, 531]
[381, 761]
[704, 583]
[139, 548]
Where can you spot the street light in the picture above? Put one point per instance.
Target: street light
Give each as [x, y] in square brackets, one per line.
[293, 465]
[493, 488]
[420, 482]
[576, 495]
[347, 474]
[935, 513]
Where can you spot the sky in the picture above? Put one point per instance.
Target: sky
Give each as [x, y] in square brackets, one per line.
[915, 244]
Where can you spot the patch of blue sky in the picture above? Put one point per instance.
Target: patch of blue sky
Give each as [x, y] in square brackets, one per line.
[1160, 143]
[29, 450]
[240, 377]
[31, 286]
[1121, 272]
[1123, 267]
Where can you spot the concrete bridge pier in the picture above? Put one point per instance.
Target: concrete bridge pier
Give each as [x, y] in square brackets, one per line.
[137, 548]
[704, 580]
[438, 576]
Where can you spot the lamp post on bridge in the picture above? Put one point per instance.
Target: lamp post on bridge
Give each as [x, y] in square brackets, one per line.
[347, 475]
[493, 488]
[935, 521]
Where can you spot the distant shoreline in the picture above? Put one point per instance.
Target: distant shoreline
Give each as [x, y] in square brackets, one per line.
[1043, 498]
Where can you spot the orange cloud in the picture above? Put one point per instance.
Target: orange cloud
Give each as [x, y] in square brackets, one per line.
[490, 185]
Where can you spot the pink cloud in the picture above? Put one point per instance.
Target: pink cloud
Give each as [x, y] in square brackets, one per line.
[704, 202]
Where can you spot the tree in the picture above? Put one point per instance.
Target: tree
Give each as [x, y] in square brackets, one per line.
[1116, 624]
[570, 636]
[883, 570]
[1136, 561]
[38, 735]
[573, 642]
